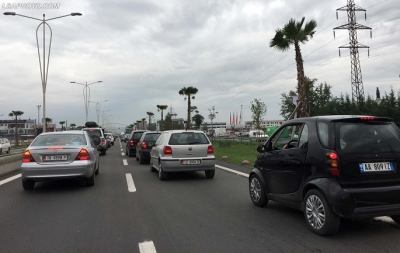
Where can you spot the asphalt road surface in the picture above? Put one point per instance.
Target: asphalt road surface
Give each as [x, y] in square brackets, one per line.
[131, 210]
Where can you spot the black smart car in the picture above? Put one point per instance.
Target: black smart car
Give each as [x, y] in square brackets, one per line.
[144, 146]
[331, 167]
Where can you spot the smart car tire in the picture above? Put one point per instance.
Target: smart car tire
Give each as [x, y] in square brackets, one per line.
[28, 184]
[210, 173]
[318, 214]
[257, 191]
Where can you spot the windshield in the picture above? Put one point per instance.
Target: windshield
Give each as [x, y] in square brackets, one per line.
[59, 140]
[363, 137]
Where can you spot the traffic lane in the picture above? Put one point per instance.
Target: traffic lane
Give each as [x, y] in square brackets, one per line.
[190, 213]
[65, 216]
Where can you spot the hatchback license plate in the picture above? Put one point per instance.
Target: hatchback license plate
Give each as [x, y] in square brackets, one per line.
[55, 158]
[370, 167]
[190, 162]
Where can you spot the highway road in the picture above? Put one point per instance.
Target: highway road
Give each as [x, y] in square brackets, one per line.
[131, 210]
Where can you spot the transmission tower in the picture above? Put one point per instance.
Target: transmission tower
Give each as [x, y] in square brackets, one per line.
[356, 77]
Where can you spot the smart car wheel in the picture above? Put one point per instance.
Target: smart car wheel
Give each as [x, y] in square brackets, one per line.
[396, 218]
[318, 214]
[257, 192]
[28, 184]
[162, 175]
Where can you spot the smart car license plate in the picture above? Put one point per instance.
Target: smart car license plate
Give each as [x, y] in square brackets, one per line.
[55, 158]
[370, 167]
[190, 162]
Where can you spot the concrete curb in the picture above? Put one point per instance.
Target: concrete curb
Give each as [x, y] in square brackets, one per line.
[10, 159]
[10, 164]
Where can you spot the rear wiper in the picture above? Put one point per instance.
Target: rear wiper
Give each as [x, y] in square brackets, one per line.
[195, 142]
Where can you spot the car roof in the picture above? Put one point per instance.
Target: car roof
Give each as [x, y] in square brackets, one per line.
[64, 132]
[328, 118]
[183, 131]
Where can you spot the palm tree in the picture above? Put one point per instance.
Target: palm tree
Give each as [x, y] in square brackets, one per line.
[48, 120]
[189, 92]
[198, 119]
[72, 125]
[162, 108]
[293, 33]
[62, 125]
[16, 114]
[150, 115]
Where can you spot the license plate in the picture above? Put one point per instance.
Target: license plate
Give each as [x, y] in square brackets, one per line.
[190, 162]
[370, 167]
[55, 158]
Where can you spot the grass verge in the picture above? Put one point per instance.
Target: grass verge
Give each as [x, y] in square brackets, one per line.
[236, 151]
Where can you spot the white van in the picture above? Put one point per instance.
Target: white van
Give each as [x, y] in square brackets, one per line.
[257, 135]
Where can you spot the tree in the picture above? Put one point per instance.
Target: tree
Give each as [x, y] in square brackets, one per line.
[198, 119]
[162, 108]
[259, 109]
[72, 125]
[62, 125]
[293, 33]
[188, 92]
[150, 114]
[16, 114]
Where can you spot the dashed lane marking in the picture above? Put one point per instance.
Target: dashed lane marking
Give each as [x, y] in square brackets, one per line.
[147, 247]
[129, 181]
[233, 171]
[10, 179]
[125, 162]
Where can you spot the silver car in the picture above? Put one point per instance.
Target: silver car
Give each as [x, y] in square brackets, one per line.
[60, 155]
[180, 150]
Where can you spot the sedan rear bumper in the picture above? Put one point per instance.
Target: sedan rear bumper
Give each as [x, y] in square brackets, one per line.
[76, 169]
[174, 165]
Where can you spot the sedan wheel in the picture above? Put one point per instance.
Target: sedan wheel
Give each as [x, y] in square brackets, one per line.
[318, 214]
[161, 174]
[257, 192]
[91, 180]
[28, 184]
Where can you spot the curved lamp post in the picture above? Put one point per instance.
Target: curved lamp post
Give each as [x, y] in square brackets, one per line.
[86, 95]
[98, 109]
[43, 72]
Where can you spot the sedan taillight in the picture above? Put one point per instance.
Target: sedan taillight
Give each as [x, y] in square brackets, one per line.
[27, 157]
[83, 155]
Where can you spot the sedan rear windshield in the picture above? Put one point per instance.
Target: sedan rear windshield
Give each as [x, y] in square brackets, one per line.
[365, 137]
[188, 139]
[59, 140]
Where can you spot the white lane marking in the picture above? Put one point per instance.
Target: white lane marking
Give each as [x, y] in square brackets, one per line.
[147, 247]
[125, 162]
[122, 149]
[129, 181]
[123, 154]
[385, 219]
[10, 179]
[233, 171]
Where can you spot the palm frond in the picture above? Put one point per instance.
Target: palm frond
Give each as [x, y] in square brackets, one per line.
[279, 42]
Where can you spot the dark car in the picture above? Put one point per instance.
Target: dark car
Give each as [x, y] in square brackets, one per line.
[130, 149]
[97, 135]
[331, 167]
[144, 146]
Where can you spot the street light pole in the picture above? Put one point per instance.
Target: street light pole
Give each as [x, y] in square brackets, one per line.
[43, 72]
[98, 109]
[212, 116]
[86, 98]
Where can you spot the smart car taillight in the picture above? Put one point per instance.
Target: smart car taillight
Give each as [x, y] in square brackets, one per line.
[333, 164]
[144, 145]
[27, 157]
[83, 155]
[167, 150]
[210, 149]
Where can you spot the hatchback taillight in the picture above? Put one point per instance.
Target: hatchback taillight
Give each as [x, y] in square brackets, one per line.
[27, 157]
[131, 143]
[144, 145]
[210, 149]
[167, 150]
[333, 162]
[83, 155]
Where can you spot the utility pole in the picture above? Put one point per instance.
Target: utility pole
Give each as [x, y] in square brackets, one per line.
[212, 116]
[356, 77]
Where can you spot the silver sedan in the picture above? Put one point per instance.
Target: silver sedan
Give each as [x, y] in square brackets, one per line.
[180, 150]
[60, 155]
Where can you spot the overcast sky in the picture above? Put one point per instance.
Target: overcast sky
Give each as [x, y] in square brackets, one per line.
[145, 51]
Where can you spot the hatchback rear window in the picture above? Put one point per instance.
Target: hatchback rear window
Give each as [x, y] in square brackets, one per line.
[188, 139]
[365, 137]
[136, 136]
[151, 137]
[59, 140]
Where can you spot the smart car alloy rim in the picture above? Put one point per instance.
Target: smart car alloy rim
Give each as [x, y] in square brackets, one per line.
[255, 189]
[315, 212]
